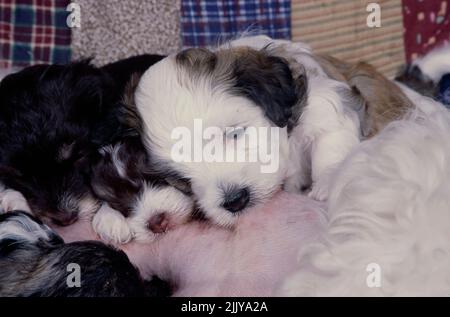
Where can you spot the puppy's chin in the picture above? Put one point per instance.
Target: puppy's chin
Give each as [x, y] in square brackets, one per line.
[224, 218]
[86, 206]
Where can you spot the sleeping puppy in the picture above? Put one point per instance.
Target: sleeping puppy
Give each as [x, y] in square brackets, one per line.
[50, 119]
[36, 262]
[279, 95]
[429, 75]
[414, 78]
[53, 121]
[137, 204]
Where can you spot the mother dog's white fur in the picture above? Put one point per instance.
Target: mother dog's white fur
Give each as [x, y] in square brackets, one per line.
[389, 205]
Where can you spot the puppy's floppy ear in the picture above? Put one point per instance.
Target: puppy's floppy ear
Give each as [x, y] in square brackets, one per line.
[91, 89]
[268, 81]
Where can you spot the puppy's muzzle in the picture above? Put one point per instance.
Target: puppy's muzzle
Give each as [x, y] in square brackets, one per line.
[65, 218]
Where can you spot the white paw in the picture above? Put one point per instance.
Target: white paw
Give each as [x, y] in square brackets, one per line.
[111, 226]
[13, 200]
[320, 189]
[318, 193]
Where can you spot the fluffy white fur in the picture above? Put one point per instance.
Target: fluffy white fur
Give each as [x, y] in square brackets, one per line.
[12, 200]
[22, 228]
[389, 205]
[327, 130]
[326, 133]
[111, 225]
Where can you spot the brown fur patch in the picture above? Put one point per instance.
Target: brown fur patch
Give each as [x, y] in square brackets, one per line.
[385, 101]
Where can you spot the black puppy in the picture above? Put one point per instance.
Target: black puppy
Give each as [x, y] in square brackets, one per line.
[53, 121]
[413, 77]
[36, 262]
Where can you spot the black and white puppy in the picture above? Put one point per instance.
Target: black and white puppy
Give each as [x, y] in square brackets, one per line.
[53, 121]
[138, 204]
[36, 262]
[253, 84]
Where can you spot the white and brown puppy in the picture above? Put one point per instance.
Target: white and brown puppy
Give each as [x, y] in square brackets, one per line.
[235, 89]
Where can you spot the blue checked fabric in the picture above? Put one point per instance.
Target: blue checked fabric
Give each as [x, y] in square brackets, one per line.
[208, 22]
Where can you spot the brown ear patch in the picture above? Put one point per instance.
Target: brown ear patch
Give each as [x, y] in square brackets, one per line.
[385, 101]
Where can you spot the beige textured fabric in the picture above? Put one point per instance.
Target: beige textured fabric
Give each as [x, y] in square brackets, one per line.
[115, 29]
[339, 28]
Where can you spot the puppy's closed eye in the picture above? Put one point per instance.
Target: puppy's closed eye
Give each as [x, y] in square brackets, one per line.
[72, 154]
[235, 132]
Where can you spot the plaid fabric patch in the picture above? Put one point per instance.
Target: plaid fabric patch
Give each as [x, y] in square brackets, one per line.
[33, 32]
[207, 22]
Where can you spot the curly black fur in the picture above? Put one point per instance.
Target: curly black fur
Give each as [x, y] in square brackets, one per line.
[35, 262]
[53, 121]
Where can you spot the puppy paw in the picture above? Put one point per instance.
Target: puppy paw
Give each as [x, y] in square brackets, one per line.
[13, 200]
[111, 226]
[319, 193]
[320, 189]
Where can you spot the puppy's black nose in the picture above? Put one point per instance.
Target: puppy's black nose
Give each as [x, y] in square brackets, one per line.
[236, 199]
[159, 223]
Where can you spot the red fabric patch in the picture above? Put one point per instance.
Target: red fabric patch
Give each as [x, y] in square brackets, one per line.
[426, 24]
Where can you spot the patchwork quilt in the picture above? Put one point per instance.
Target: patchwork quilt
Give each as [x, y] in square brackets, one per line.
[35, 31]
